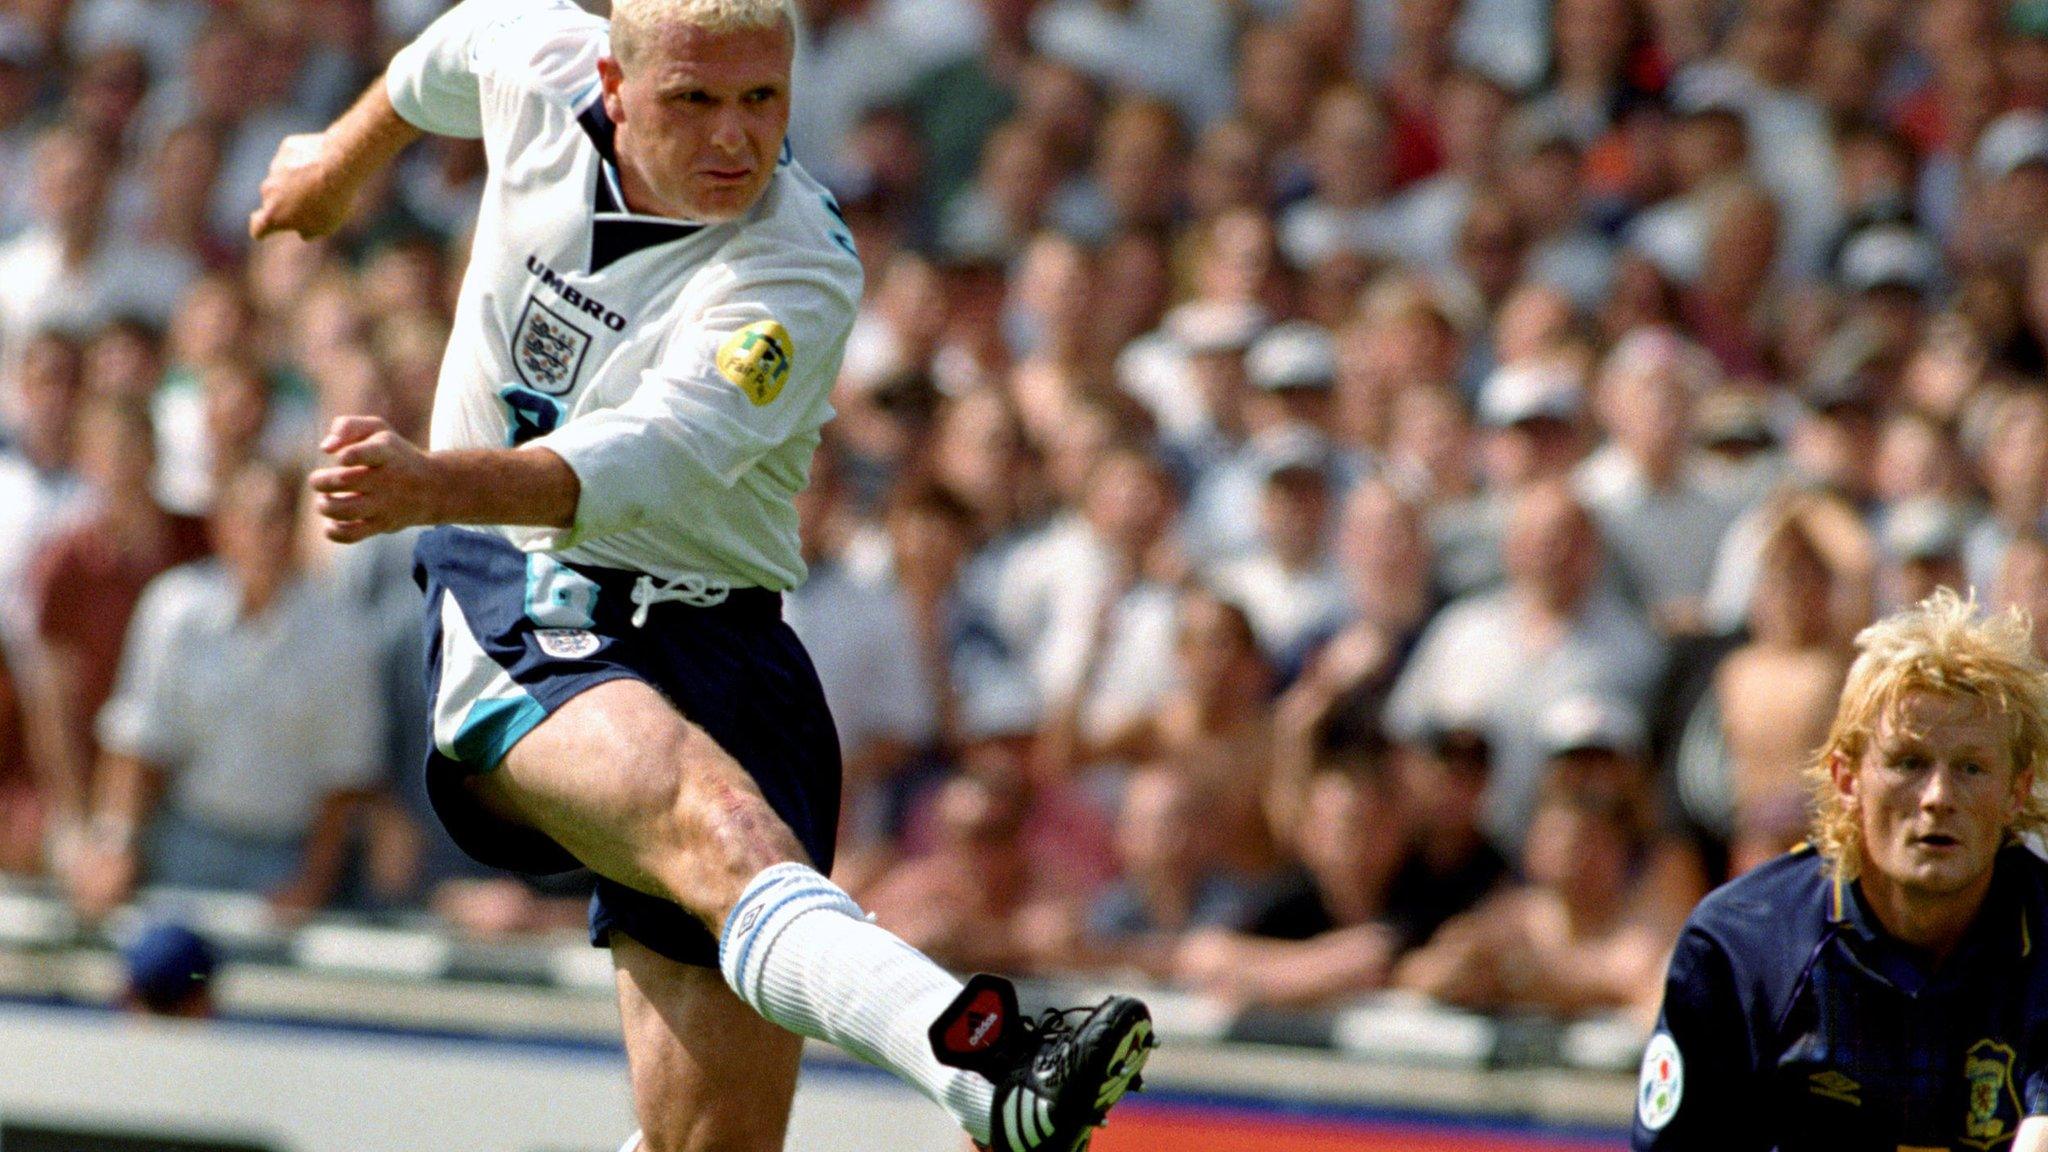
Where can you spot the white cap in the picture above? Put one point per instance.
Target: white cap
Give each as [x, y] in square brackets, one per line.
[1296, 354]
[1209, 326]
[1889, 255]
[1582, 723]
[2011, 141]
[1537, 390]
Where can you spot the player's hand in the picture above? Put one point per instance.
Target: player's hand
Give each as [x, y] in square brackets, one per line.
[379, 481]
[303, 192]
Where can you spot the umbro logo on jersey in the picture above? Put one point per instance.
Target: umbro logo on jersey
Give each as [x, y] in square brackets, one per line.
[574, 297]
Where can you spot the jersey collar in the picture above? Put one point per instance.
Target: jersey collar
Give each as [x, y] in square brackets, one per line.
[615, 231]
[2001, 928]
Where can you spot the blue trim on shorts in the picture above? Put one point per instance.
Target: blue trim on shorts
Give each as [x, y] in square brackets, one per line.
[493, 727]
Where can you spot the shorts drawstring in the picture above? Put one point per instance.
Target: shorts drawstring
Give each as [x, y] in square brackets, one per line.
[696, 591]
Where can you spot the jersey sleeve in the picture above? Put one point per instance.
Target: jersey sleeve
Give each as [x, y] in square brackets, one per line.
[1698, 1089]
[753, 370]
[436, 82]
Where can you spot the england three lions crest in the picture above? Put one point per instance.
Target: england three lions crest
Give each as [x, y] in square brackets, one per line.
[548, 350]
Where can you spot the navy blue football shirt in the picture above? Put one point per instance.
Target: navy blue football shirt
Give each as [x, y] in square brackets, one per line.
[1793, 1021]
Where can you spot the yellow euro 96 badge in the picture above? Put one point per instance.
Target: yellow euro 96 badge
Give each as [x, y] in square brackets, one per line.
[757, 360]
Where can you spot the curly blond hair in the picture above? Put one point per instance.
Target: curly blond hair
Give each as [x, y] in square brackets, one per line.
[1944, 645]
[634, 21]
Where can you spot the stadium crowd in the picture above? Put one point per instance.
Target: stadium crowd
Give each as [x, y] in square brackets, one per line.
[1327, 495]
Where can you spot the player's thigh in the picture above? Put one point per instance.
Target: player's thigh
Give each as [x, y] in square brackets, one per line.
[639, 794]
[708, 1072]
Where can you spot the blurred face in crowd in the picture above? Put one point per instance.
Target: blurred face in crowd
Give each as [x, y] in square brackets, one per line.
[1139, 162]
[1433, 431]
[1742, 246]
[214, 319]
[700, 116]
[1443, 783]
[1552, 549]
[1648, 412]
[1347, 145]
[1228, 170]
[1835, 447]
[116, 451]
[1360, 831]
[1932, 796]
[980, 451]
[2023, 583]
[237, 404]
[1018, 173]
[1789, 607]
[124, 363]
[1490, 247]
[1061, 104]
[73, 175]
[1916, 458]
[1158, 833]
[1591, 39]
[1275, 82]
[253, 528]
[2015, 465]
[50, 384]
[1383, 548]
[1240, 259]
[1129, 503]
[1215, 653]
[1294, 511]
[1579, 849]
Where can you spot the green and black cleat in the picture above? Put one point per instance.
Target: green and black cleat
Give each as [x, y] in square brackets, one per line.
[1056, 1077]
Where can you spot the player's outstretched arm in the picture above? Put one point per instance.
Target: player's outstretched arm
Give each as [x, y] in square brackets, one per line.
[314, 177]
[382, 482]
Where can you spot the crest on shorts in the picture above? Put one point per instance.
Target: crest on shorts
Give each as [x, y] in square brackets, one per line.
[567, 643]
[1994, 1104]
[547, 349]
[757, 359]
[1662, 1084]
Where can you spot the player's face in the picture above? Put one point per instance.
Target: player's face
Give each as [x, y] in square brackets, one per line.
[1932, 796]
[700, 119]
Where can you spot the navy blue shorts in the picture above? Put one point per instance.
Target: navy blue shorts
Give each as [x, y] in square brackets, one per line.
[512, 636]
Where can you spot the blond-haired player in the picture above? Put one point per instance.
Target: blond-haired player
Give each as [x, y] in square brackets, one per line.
[1885, 986]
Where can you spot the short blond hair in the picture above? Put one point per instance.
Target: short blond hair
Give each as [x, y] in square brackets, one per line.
[1944, 646]
[634, 21]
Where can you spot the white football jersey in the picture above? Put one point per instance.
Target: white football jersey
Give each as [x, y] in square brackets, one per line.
[683, 371]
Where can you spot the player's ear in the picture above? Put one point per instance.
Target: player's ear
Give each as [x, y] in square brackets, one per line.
[609, 77]
[1843, 772]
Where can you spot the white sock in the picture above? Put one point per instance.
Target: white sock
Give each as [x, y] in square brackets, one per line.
[800, 951]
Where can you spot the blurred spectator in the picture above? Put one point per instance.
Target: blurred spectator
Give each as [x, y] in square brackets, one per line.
[40, 490]
[1776, 694]
[1172, 879]
[1573, 938]
[1173, 49]
[1493, 659]
[857, 627]
[71, 269]
[978, 898]
[1660, 511]
[84, 582]
[1330, 928]
[244, 727]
